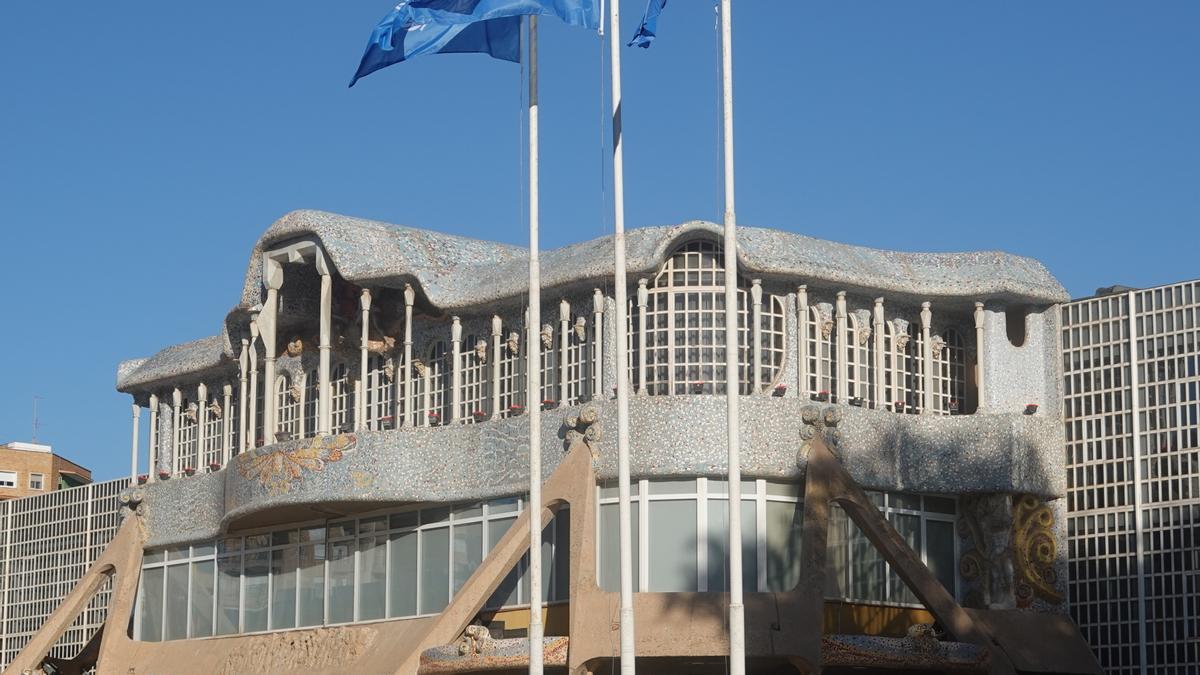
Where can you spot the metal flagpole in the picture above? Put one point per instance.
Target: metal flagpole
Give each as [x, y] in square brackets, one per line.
[533, 379]
[620, 346]
[737, 623]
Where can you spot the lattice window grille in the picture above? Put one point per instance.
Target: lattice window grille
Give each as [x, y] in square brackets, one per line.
[432, 405]
[549, 363]
[259, 411]
[188, 450]
[341, 399]
[858, 383]
[476, 374]
[772, 347]
[379, 393]
[213, 438]
[579, 363]
[950, 373]
[312, 404]
[235, 418]
[817, 381]
[512, 372]
[826, 350]
[288, 406]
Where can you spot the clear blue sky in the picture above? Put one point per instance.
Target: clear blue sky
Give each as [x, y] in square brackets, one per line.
[145, 145]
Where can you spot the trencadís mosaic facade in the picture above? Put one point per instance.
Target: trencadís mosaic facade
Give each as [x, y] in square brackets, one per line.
[347, 457]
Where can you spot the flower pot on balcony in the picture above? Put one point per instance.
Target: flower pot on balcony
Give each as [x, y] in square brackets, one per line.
[515, 409]
[822, 396]
[214, 466]
[1031, 408]
[479, 415]
[780, 390]
[434, 419]
[898, 406]
[191, 470]
[164, 475]
[387, 422]
[549, 404]
[857, 402]
[142, 479]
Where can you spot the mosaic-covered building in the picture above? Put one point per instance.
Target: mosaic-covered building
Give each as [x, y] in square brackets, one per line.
[339, 473]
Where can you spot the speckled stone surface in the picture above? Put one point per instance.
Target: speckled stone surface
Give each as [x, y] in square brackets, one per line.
[455, 274]
[670, 436]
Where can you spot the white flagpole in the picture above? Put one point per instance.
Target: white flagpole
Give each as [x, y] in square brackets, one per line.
[623, 509]
[534, 381]
[737, 622]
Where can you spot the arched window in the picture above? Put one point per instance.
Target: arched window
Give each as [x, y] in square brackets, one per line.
[341, 399]
[771, 340]
[512, 371]
[258, 434]
[379, 393]
[825, 351]
[684, 325]
[549, 362]
[312, 404]
[287, 424]
[212, 437]
[189, 415]
[858, 355]
[476, 393]
[891, 375]
[950, 373]
[579, 362]
[235, 419]
[910, 358]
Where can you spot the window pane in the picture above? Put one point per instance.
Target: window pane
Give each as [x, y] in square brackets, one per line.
[866, 568]
[837, 554]
[229, 593]
[909, 528]
[784, 522]
[435, 570]
[610, 546]
[562, 555]
[673, 487]
[402, 564]
[203, 585]
[718, 545]
[372, 578]
[341, 581]
[151, 604]
[468, 551]
[255, 581]
[506, 593]
[940, 505]
[940, 551]
[312, 584]
[672, 539]
[283, 587]
[175, 609]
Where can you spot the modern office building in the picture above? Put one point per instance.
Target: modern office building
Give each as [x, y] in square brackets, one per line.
[33, 468]
[340, 472]
[1133, 460]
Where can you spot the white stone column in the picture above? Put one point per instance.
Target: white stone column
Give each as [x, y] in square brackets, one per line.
[268, 322]
[456, 368]
[253, 419]
[133, 451]
[176, 405]
[226, 424]
[802, 319]
[564, 346]
[979, 352]
[201, 423]
[880, 338]
[842, 353]
[497, 328]
[410, 297]
[756, 333]
[152, 467]
[324, 349]
[243, 365]
[643, 297]
[927, 364]
[361, 387]
[597, 345]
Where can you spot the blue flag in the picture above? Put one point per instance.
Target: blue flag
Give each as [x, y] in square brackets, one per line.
[492, 27]
[648, 30]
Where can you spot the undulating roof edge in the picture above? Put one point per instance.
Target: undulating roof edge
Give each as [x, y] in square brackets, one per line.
[455, 273]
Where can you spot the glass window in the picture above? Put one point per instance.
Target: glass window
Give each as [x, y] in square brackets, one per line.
[311, 574]
[36, 481]
[372, 577]
[175, 607]
[468, 551]
[435, 570]
[283, 587]
[784, 532]
[152, 604]
[909, 529]
[402, 566]
[229, 594]
[610, 556]
[203, 587]
[254, 592]
[507, 592]
[341, 581]
[673, 545]
[718, 545]
[940, 552]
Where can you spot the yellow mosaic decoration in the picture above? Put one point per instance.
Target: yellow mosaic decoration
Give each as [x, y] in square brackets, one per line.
[279, 468]
[1034, 552]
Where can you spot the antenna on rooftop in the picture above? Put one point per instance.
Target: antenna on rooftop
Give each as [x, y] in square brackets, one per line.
[36, 398]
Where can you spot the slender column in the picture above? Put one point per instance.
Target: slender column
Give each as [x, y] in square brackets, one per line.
[802, 319]
[564, 346]
[176, 405]
[756, 332]
[361, 387]
[268, 322]
[497, 327]
[253, 421]
[201, 423]
[152, 468]
[133, 451]
[843, 381]
[226, 424]
[878, 335]
[243, 365]
[979, 352]
[324, 348]
[534, 366]
[643, 297]
[926, 359]
[456, 369]
[621, 349]
[737, 620]
[597, 344]
[410, 297]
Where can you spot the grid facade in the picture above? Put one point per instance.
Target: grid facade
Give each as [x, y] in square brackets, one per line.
[1130, 363]
[49, 542]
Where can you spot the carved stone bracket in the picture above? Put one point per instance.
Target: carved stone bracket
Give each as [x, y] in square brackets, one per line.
[481, 349]
[547, 336]
[513, 343]
[580, 328]
[823, 421]
[583, 427]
